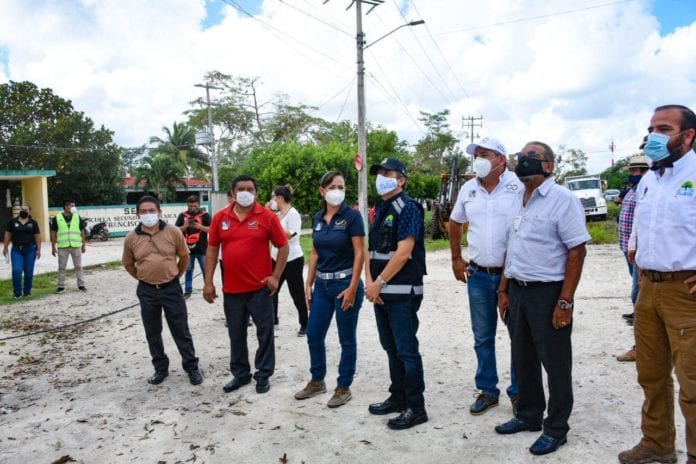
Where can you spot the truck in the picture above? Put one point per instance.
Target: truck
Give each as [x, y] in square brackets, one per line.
[588, 189]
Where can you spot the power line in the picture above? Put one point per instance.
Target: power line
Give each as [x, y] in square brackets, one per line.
[386, 93]
[316, 18]
[345, 101]
[349, 84]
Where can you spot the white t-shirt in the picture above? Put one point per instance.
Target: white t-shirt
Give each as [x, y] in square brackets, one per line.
[292, 221]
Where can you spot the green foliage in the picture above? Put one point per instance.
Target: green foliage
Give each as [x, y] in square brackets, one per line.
[162, 174]
[612, 211]
[570, 162]
[40, 130]
[617, 175]
[180, 145]
[603, 232]
[435, 150]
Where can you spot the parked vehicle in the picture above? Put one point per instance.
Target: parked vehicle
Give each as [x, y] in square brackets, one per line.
[611, 194]
[589, 190]
[98, 231]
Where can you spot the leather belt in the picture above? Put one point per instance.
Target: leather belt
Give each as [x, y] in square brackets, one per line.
[487, 270]
[658, 276]
[526, 283]
[336, 275]
[164, 285]
[24, 247]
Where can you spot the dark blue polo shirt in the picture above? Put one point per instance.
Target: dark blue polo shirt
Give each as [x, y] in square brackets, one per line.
[333, 241]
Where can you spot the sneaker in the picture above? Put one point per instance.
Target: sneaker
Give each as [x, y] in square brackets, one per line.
[82, 289]
[340, 397]
[628, 356]
[640, 455]
[482, 404]
[187, 295]
[302, 332]
[313, 388]
[60, 290]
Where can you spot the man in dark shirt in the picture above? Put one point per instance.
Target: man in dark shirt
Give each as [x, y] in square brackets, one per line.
[194, 223]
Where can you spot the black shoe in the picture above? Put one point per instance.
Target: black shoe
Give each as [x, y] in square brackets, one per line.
[302, 332]
[187, 295]
[236, 384]
[627, 316]
[195, 377]
[515, 425]
[82, 289]
[158, 377]
[388, 406]
[407, 419]
[545, 444]
[629, 322]
[482, 404]
[60, 290]
[263, 385]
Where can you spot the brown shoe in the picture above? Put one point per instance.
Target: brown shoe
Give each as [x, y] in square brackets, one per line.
[340, 397]
[629, 356]
[639, 454]
[313, 388]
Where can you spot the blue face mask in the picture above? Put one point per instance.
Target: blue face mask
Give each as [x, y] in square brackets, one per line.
[656, 146]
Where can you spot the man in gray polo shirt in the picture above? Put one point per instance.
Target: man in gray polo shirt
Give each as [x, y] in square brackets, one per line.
[549, 222]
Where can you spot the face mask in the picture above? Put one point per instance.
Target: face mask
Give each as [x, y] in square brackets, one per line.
[385, 184]
[24, 214]
[192, 210]
[274, 205]
[149, 220]
[527, 166]
[633, 180]
[335, 197]
[482, 167]
[656, 146]
[245, 199]
[73, 210]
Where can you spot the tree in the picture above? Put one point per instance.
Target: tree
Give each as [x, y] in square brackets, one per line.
[570, 162]
[617, 175]
[40, 130]
[161, 175]
[435, 150]
[180, 145]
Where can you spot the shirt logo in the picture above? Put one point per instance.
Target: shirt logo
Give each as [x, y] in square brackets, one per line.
[686, 189]
[225, 225]
[253, 225]
[472, 194]
[318, 227]
[389, 220]
[511, 188]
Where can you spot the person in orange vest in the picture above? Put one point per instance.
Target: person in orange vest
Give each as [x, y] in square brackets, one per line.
[194, 224]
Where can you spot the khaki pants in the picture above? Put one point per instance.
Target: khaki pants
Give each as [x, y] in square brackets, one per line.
[665, 331]
[63, 254]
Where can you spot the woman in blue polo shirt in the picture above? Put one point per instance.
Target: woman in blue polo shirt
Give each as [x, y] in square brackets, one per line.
[335, 265]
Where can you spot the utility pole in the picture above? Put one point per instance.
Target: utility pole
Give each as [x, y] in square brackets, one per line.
[362, 131]
[211, 143]
[469, 123]
[612, 148]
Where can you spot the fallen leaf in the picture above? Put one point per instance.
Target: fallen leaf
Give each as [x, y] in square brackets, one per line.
[366, 442]
[283, 459]
[64, 459]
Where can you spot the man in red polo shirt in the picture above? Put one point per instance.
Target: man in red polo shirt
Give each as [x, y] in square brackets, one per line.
[244, 230]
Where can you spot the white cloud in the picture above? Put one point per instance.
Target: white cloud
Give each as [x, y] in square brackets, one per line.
[579, 79]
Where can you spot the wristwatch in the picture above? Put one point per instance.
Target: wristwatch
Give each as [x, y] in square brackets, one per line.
[565, 304]
[382, 282]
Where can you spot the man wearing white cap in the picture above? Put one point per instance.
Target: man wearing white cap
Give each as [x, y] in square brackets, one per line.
[485, 203]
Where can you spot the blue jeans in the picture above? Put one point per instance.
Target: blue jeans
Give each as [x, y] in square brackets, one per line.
[188, 279]
[483, 303]
[633, 271]
[324, 304]
[397, 325]
[23, 263]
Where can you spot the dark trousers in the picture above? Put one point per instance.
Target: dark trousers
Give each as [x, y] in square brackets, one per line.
[170, 299]
[238, 308]
[535, 343]
[293, 274]
[397, 324]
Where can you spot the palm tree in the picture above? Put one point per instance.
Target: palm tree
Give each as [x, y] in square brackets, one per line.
[161, 175]
[180, 145]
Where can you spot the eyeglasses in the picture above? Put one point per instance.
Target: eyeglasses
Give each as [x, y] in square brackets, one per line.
[530, 154]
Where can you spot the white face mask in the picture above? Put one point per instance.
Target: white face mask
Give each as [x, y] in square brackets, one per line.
[385, 184]
[73, 210]
[245, 199]
[335, 197]
[274, 205]
[149, 220]
[482, 167]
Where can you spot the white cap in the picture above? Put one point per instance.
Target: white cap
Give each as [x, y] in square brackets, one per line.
[488, 143]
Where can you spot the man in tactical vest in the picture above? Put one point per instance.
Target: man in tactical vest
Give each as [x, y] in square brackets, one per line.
[68, 240]
[394, 283]
[194, 224]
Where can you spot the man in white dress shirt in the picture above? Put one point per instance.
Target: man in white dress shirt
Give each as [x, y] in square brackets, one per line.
[665, 312]
[485, 203]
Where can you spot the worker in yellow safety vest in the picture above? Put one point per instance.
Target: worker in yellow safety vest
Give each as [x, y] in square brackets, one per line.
[68, 240]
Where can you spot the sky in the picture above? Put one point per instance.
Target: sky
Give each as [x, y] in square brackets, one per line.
[577, 73]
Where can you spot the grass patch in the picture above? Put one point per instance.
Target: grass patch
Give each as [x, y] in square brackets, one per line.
[45, 284]
[603, 232]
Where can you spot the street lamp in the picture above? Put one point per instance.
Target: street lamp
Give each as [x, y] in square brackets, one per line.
[211, 139]
[362, 135]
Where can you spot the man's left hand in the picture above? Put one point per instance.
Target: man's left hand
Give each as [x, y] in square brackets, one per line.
[272, 284]
[691, 282]
[372, 290]
[84, 248]
[561, 317]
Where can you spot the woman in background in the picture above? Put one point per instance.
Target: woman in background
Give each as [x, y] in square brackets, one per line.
[23, 232]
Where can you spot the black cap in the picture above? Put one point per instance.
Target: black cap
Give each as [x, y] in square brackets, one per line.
[390, 164]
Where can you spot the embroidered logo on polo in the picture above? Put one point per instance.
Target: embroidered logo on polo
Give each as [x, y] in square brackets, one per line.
[511, 188]
[318, 227]
[253, 224]
[686, 189]
[225, 225]
[472, 194]
[340, 224]
[389, 220]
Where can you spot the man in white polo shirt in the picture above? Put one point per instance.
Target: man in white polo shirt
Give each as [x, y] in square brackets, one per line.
[665, 312]
[485, 203]
[543, 264]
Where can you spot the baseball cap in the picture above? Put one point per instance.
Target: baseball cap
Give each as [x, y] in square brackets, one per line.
[390, 164]
[489, 143]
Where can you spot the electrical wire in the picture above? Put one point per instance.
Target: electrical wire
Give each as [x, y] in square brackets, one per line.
[386, 93]
[316, 18]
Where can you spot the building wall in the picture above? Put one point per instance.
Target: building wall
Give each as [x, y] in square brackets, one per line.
[35, 194]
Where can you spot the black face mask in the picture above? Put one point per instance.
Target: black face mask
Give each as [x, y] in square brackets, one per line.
[527, 166]
[24, 214]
